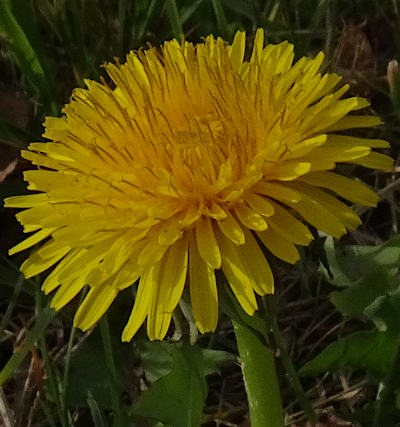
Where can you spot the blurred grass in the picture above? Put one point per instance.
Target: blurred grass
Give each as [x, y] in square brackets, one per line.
[48, 47]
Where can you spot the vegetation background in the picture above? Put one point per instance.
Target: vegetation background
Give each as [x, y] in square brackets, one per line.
[336, 323]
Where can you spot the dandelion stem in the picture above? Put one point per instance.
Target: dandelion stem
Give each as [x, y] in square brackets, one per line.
[293, 378]
[260, 378]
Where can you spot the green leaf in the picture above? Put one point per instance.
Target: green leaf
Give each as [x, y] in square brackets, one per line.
[85, 375]
[370, 350]
[366, 273]
[385, 312]
[215, 359]
[157, 359]
[354, 300]
[177, 398]
[17, 21]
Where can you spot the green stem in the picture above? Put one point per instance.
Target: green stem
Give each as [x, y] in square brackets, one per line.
[293, 378]
[11, 305]
[388, 395]
[66, 372]
[54, 380]
[258, 367]
[110, 361]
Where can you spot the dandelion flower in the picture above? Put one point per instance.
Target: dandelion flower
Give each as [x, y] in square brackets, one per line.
[192, 160]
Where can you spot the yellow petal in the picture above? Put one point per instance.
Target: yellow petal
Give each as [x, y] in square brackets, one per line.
[207, 244]
[320, 217]
[341, 211]
[277, 191]
[36, 264]
[67, 292]
[260, 204]
[337, 154]
[348, 188]
[289, 227]
[289, 170]
[236, 51]
[117, 254]
[232, 229]
[344, 141]
[158, 319]
[31, 240]
[279, 246]
[174, 274]
[376, 161]
[52, 281]
[249, 218]
[203, 291]
[26, 201]
[351, 122]
[236, 274]
[305, 146]
[151, 253]
[94, 306]
[257, 46]
[256, 263]
[141, 306]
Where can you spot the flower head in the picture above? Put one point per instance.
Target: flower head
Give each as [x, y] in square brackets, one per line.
[191, 161]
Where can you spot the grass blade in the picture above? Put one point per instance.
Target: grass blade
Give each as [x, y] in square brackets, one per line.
[18, 23]
[222, 23]
[11, 304]
[97, 417]
[144, 23]
[174, 19]
[44, 318]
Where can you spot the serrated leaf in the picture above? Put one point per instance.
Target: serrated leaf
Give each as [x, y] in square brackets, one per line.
[89, 370]
[370, 350]
[177, 398]
[157, 360]
[384, 311]
[215, 359]
[366, 273]
[354, 300]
